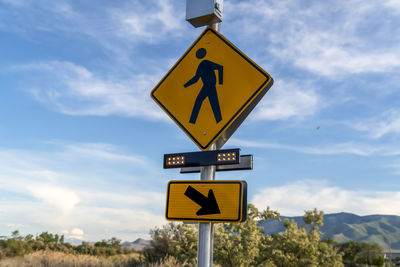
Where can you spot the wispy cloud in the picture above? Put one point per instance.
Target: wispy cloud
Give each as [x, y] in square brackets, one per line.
[113, 30]
[105, 152]
[74, 90]
[383, 124]
[328, 39]
[351, 148]
[150, 21]
[132, 21]
[286, 100]
[307, 40]
[392, 4]
[38, 16]
[327, 55]
[296, 197]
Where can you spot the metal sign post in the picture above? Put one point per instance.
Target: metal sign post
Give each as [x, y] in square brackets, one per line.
[205, 245]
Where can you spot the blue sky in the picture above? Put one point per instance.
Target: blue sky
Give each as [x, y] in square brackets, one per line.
[81, 142]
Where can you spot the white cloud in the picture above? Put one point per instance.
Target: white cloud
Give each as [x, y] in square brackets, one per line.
[392, 4]
[77, 232]
[136, 198]
[74, 233]
[65, 188]
[104, 152]
[130, 22]
[287, 99]
[124, 223]
[327, 38]
[295, 198]
[384, 124]
[112, 34]
[74, 90]
[329, 55]
[61, 198]
[360, 149]
[149, 22]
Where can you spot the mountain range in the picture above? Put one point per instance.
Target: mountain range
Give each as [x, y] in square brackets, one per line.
[383, 230]
[137, 245]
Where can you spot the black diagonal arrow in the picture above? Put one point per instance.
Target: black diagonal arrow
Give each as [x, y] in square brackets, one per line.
[208, 204]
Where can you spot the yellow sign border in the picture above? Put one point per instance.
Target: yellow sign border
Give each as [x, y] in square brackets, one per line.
[242, 211]
[264, 86]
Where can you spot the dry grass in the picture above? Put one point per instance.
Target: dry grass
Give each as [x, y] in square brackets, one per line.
[59, 259]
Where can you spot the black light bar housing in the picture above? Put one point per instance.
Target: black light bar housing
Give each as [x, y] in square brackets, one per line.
[202, 158]
[245, 164]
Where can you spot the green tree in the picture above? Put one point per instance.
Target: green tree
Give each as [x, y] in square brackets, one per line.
[302, 246]
[29, 238]
[14, 246]
[15, 235]
[370, 254]
[18, 245]
[185, 243]
[239, 244]
[102, 243]
[355, 253]
[349, 251]
[114, 242]
[245, 244]
[174, 239]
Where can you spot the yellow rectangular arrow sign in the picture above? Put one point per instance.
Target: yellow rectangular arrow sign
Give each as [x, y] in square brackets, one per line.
[207, 201]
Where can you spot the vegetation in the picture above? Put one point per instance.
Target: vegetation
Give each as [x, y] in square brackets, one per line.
[48, 249]
[361, 253]
[175, 244]
[176, 240]
[246, 245]
[60, 259]
[19, 245]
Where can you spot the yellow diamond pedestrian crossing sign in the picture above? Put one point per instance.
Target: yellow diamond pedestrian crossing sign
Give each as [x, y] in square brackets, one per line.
[211, 89]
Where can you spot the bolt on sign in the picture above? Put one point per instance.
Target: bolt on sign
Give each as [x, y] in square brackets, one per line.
[207, 201]
[211, 89]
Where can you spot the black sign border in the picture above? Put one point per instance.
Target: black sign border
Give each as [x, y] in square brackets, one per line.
[263, 85]
[242, 210]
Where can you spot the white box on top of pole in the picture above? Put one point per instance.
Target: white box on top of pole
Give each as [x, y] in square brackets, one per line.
[203, 12]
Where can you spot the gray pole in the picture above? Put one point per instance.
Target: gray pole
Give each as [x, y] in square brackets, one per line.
[205, 244]
[206, 230]
[215, 27]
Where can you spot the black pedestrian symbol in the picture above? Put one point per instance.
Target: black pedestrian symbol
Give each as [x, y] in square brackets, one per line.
[206, 71]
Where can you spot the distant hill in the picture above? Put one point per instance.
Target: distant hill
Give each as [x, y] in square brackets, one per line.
[137, 245]
[344, 227]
